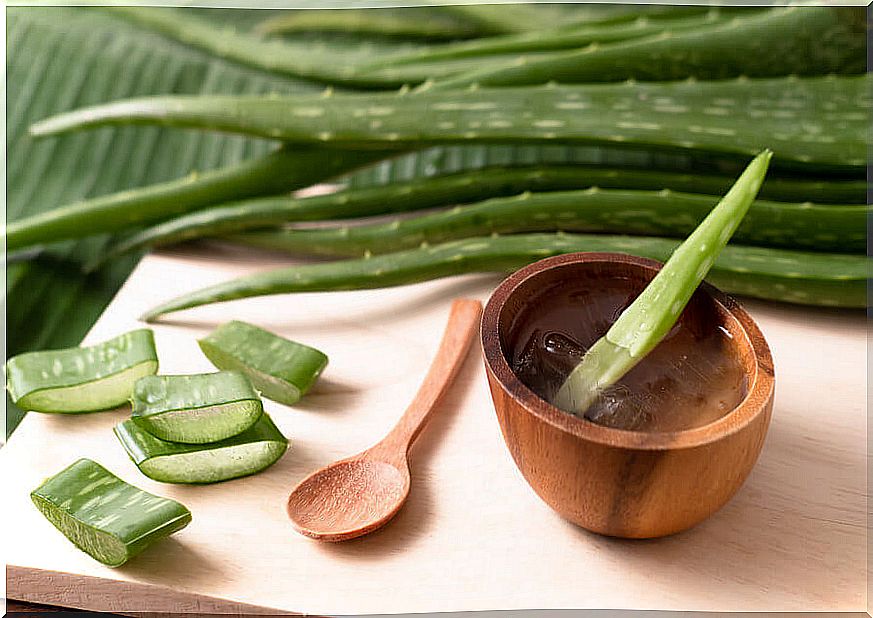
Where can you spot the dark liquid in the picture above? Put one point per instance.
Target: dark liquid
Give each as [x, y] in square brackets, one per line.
[690, 379]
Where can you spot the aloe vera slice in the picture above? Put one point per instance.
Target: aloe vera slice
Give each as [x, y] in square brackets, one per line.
[282, 370]
[195, 409]
[255, 449]
[650, 317]
[105, 517]
[99, 377]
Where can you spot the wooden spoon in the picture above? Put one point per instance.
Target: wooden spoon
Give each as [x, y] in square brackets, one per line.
[357, 495]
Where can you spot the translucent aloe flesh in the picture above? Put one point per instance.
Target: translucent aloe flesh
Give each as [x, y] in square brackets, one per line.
[88, 379]
[195, 409]
[105, 517]
[282, 370]
[650, 317]
[249, 452]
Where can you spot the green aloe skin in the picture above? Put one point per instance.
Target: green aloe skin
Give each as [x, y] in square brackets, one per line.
[251, 451]
[650, 317]
[754, 43]
[657, 213]
[416, 23]
[563, 38]
[278, 172]
[282, 370]
[105, 517]
[816, 124]
[822, 41]
[89, 379]
[196, 409]
[466, 187]
[803, 277]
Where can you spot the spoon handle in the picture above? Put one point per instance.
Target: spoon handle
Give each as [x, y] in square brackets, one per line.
[462, 325]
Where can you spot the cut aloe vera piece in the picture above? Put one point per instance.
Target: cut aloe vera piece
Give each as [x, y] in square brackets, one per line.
[650, 317]
[105, 517]
[99, 377]
[255, 449]
[195, 409]
[282, 370]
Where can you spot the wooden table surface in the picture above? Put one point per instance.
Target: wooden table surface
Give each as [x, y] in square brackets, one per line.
[473, 535]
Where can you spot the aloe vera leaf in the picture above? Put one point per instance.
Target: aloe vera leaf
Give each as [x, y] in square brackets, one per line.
[280, 171]
[316, 63]
[802, 40]
[249, 452]
[435, 66]
[105, 517]
[560, 39]
[814, 123]
[837, 228]
[653, 313]
[195, 409]
[468, 187]
[90, 379]
[416, 23]
[802, 277]
[514, 18]
[282, 370]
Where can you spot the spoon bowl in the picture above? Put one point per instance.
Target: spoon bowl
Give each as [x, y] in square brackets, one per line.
[381, 489]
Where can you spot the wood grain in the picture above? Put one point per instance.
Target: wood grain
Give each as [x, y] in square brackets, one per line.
[473, 535]
[629, 484]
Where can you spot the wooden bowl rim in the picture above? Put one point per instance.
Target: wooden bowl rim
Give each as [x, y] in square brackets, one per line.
[759, 394]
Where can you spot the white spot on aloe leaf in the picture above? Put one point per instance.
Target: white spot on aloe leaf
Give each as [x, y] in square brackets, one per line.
[647, 126]
[308, 112]
[483, 105]
[571, 105]
[548, 123]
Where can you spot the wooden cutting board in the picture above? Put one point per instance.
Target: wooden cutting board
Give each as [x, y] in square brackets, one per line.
[473, 535]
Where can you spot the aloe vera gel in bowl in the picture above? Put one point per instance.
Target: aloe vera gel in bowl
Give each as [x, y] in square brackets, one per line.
[592, 387]
[690, 379]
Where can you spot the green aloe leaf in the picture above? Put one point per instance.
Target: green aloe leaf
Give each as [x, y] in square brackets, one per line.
[58, 59]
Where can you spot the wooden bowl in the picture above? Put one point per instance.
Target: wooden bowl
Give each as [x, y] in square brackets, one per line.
[616, 482]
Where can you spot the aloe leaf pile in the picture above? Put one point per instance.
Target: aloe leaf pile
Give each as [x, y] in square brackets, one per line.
[535, 122]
